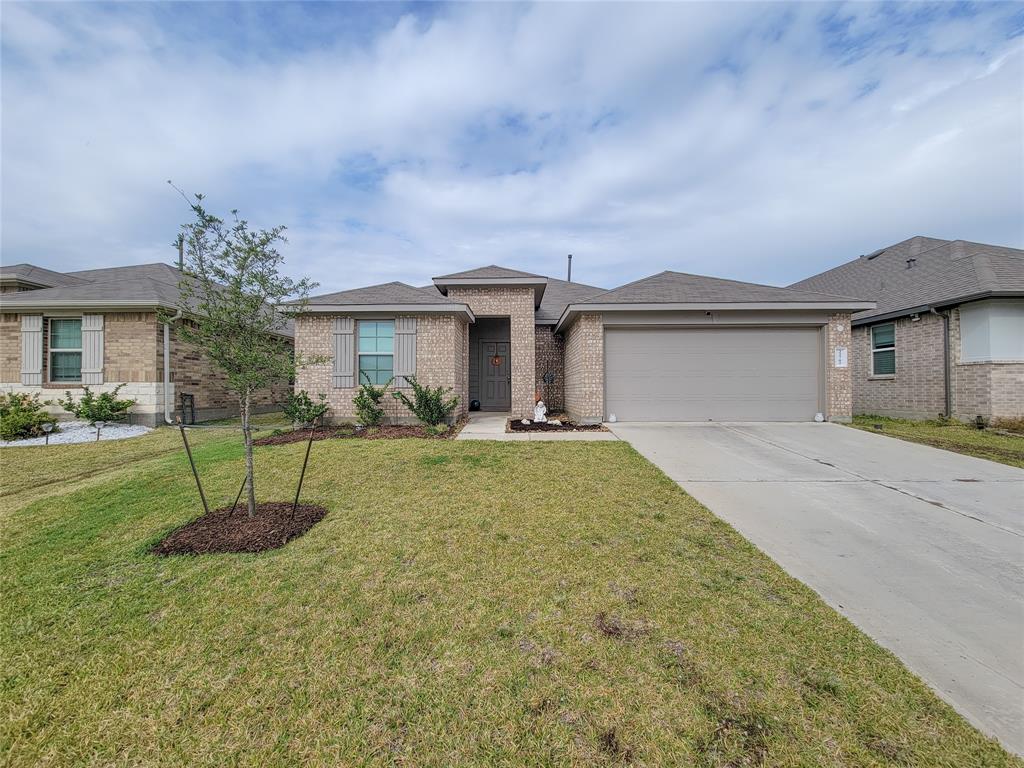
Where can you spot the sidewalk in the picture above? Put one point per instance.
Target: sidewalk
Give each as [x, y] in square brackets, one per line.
[491, 426]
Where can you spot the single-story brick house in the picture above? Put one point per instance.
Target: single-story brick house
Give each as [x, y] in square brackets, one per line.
[671, 347]
[99, 328]
[946, 336]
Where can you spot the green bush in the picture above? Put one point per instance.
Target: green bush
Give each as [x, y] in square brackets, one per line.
[22, 416]
[428, 404]
[367, 403]
[102, 407]
[301, 409]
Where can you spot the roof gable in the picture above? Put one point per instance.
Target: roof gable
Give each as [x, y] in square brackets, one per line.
[491, 272]
[383, 294]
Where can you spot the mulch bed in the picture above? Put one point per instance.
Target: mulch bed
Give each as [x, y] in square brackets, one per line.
[221, 531]
[389, 432]
[515, 425]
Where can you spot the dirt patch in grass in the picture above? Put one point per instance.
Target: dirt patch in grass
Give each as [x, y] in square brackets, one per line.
[611, 744]
[618, 628]
[222, 530]
[516, 425]
[390, 432]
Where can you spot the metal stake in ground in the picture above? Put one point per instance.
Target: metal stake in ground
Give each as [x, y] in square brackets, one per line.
[240, 489]
[302, 476]
[192, 463]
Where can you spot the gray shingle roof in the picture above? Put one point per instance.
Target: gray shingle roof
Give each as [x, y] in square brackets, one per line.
[682, 288]
[29, 273]
[155, 284]
[492, 272]
[558, 296]
[943, 272]
[147, 285]
[385, 293]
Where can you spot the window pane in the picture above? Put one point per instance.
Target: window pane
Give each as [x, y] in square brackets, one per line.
[377, 368]
[65, 334]
[385, 344]
[367, 343]
[885, 362]
[65, 366]
[884, 335]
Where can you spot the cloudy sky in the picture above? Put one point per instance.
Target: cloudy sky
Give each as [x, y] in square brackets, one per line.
[762, 142]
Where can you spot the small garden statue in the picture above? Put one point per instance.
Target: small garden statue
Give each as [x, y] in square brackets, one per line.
[540, 412]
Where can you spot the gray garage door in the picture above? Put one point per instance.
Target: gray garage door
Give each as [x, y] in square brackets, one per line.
[721, 374]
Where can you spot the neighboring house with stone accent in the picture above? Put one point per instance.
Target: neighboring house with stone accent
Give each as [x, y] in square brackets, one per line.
[947, 335]
[672, 347]
[61, 331]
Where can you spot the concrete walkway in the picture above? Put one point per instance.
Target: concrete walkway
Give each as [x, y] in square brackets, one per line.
[485, 425]
[922, 548]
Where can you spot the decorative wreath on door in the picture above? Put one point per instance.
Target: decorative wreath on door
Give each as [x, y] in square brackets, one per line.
[497, 360]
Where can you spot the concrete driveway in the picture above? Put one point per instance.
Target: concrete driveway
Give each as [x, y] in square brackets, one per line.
[923, 549]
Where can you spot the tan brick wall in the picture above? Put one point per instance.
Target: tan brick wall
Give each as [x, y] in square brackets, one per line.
[917, 391]
[441, 349]
[10, 348]
[839, 381]
[550, 358]
[516, 304]
[133, 347]
[133, 355]
[584, 369]
[194, 373]
[990, 390]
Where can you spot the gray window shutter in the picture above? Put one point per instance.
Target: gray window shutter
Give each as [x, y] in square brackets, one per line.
[344, 375]
[92, 349]
[405, 349]
[32, 350]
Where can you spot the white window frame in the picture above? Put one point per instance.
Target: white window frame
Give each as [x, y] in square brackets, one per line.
[50, 349]
[873, 349]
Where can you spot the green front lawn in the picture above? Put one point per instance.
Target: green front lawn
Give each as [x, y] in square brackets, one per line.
[996, 445]
[464, 603]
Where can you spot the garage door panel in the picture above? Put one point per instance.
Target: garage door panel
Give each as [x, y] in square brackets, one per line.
[683, 374]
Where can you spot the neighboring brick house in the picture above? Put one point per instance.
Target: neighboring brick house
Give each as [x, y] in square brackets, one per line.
[673, 347]
[947, 335]
[99, 328]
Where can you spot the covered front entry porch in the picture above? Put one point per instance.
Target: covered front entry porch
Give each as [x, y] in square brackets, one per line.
[490, 363]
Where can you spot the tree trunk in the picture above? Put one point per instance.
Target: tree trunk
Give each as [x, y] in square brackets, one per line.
[250, 483]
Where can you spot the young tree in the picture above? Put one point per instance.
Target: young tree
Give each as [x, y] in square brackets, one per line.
[233, 301]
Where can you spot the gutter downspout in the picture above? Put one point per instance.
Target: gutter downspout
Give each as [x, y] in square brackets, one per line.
[945, 359]
[167, 367]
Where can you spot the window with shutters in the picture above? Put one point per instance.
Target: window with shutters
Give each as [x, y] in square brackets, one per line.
[883, 350]
[65, 344]
[376, 345]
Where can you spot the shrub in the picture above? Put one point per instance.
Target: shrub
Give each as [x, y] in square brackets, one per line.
[102, 407]
[22, 416]
[428, 404]
[301, 409]
[367, 403]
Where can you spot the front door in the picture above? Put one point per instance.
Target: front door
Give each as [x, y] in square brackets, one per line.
[495, 376]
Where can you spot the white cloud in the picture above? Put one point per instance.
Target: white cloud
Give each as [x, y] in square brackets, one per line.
[746, 141]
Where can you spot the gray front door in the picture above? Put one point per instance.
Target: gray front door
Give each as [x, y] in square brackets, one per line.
[495, 376]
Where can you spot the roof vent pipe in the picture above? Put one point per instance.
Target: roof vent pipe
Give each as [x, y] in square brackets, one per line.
[911, 262]
[568, 277]
[181, 253]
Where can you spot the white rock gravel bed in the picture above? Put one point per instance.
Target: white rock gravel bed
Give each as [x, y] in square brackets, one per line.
[80, 432]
